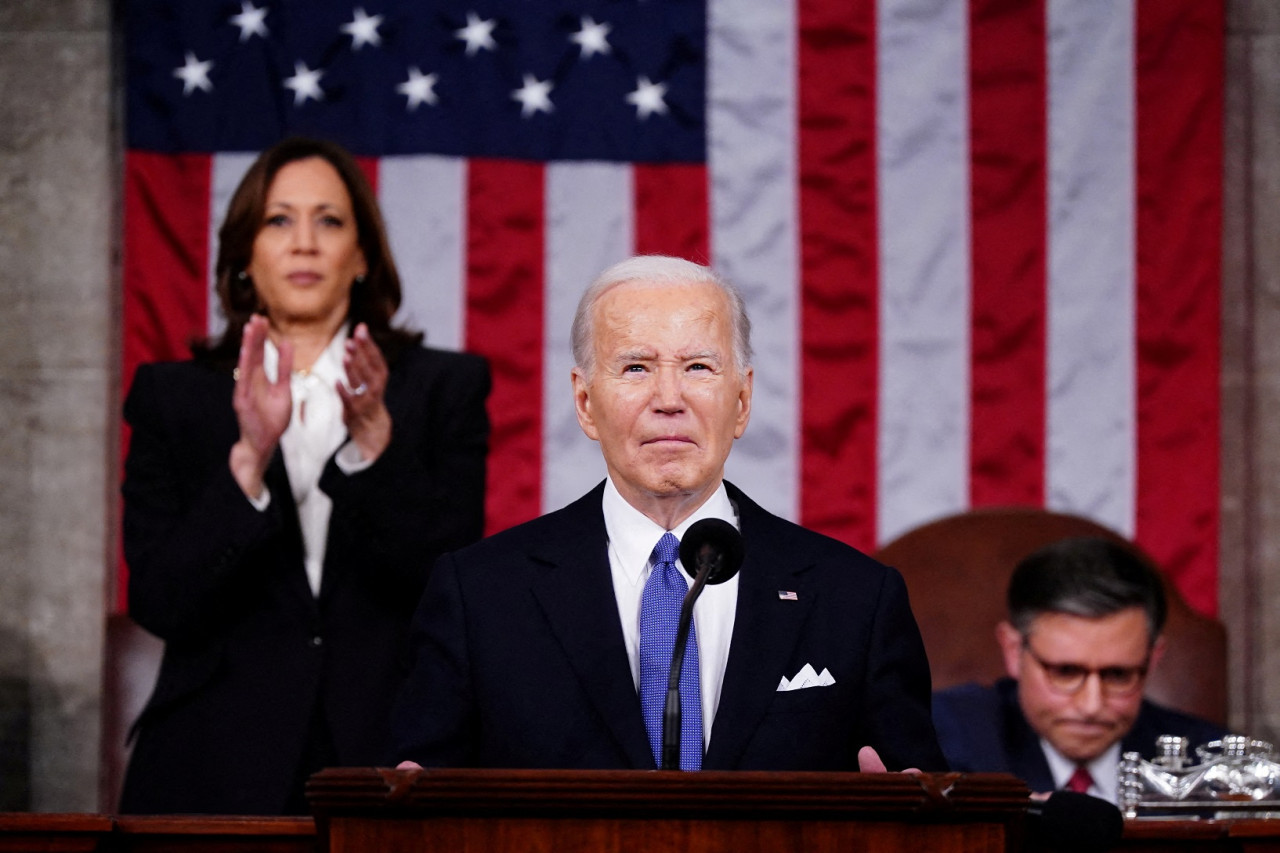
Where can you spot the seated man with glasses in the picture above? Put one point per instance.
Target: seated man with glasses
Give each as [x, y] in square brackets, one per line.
[1085, 617]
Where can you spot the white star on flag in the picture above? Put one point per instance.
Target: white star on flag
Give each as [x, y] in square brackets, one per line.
[534, 96]
[420, 88]
[648, 98]
[593, 38]
[363, 29]
[305, 83]
[194, 74]
[478, 34]
[251, 21]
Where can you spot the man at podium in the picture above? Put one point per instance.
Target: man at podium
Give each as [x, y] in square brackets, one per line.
[548, 645]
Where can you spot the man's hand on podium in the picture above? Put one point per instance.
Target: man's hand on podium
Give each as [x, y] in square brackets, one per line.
[869, 762]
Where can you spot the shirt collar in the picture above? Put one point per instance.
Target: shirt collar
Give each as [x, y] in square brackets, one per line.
[327, 367]
[1102, 768]
[632, 534]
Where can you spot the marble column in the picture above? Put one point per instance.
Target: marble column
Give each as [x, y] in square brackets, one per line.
[58, 369]
[1250, 553]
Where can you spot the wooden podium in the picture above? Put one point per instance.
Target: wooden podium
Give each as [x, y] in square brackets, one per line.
[736, 812]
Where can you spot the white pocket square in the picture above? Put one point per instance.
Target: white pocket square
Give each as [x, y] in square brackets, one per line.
[806, 677]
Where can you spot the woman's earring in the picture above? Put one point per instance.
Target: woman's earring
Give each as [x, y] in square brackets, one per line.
[243, 275]
[360, 279]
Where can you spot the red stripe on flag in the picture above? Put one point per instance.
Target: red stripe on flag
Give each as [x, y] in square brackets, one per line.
[1180, 54]
[369, 165]
[1007, 100]
[839, 306]
[164, 273]
[672, 211]
[166, 255]
[504, 308]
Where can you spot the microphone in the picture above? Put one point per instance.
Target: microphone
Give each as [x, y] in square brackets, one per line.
[1067, 820]
[712, 549]
[712, 545]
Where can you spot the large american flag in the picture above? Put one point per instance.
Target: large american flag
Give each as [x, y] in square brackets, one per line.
[979, 240]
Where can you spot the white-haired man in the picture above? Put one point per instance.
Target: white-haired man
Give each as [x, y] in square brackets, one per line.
[533, 646]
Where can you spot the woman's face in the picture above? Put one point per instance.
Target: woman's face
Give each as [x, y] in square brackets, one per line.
[307, 252]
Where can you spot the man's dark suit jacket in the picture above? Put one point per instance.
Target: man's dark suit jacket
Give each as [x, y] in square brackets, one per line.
[983, 729]
[520, 656]
[253, 661]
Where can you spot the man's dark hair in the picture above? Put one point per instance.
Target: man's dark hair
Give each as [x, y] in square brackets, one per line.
[1089, 577]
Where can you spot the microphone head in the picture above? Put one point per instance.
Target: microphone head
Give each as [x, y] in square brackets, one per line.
[1078, 822]
[715, 544]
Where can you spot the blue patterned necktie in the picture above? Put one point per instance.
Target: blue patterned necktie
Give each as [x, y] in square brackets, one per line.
[659, 615]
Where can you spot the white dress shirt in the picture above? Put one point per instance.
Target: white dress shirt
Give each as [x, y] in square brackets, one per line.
[1103, 769]
[632, 537]
[314, 432]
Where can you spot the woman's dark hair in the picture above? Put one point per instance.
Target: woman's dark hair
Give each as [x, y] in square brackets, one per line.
[374, 299]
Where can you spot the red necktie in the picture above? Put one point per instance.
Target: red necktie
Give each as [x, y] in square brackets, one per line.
[1080, 781]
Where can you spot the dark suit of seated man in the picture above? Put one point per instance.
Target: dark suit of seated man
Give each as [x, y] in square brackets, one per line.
[1085, 617]
[538, 646]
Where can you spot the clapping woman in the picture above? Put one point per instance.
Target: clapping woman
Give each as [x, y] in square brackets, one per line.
[286, 493]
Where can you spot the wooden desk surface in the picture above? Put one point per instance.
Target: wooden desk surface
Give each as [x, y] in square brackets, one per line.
[27, 832]
[24, 832]
[20, 831]
[1194, 836]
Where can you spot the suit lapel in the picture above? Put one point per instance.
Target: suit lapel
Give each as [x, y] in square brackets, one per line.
[1142, 736]
[222, 420]
[765, 632]
[1026, 756]
[575, 592]
[338, 561]
[277, 480]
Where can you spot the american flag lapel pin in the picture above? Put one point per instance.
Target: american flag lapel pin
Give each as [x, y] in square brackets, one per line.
[787, 595]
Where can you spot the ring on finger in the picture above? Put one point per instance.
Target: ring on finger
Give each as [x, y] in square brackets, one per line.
[360, 389]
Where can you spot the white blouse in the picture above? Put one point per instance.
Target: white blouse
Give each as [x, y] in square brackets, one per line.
[314, 433]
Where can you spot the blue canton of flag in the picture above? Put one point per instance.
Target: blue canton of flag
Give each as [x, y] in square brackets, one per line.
[612, 81]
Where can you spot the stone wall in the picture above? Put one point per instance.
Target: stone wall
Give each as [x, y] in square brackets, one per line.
[1250, 554]
[58, 368]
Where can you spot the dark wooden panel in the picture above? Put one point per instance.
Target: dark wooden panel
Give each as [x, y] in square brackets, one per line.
[711, 812]
[1201, 836]
[52, 832]
[199, 834]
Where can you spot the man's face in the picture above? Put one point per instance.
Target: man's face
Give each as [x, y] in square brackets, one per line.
[1081, 723]
[666, 398]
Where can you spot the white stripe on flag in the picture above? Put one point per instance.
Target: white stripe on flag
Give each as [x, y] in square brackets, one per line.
[1091, 445]
[228, 169]
[590, 226]
[925, 270]
[423, 199]
[751, 152]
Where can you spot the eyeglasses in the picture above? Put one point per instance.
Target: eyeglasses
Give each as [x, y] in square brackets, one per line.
[1067, 678]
